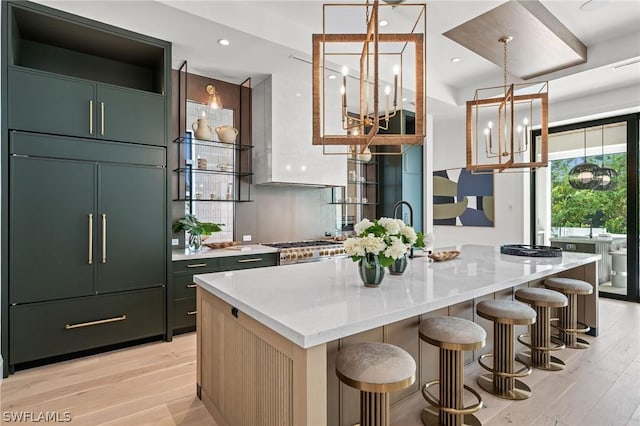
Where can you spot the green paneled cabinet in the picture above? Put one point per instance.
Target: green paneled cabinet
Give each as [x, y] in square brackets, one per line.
[49, 103]
[52, 203]
[183, 289]
[85, 254]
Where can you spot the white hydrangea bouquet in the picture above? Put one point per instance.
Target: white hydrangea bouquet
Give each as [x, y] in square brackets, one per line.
[387, 238]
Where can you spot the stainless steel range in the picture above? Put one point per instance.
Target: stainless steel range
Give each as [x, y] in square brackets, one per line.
[308, 251]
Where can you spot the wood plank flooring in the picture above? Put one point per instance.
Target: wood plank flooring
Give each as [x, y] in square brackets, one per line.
[154, 384]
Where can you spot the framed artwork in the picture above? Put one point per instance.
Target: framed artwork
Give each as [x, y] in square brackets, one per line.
[461, 198]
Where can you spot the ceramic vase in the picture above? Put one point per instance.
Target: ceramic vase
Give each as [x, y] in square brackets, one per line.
[398, 266]
[371, 272]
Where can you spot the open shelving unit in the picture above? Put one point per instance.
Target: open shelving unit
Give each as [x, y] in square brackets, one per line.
[359, 198]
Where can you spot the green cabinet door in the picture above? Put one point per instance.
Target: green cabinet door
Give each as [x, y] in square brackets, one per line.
[131, 116]
[132, 227]
[45, 103]
[51, 203]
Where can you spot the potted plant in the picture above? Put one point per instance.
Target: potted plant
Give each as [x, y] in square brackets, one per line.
[195, 229]
[380, 244]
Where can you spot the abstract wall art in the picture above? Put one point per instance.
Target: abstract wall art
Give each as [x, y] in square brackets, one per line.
[461, 198]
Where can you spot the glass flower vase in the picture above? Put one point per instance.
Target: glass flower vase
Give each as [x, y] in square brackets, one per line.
[371, 272]
[194, 242]
[398, 266]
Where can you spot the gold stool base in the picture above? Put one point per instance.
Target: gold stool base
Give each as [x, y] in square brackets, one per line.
[580, 344]
[519, 392]
[431, 417]
[555, 364]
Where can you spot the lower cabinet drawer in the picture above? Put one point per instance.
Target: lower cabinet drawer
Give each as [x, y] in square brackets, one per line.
[184, 313]
[45, 329]
[248, 261]
[183, 286]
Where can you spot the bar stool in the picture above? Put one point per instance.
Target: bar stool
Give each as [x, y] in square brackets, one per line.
[568, 323]
[375, 369]
[502, 381]
[453, 336]
[541, 299]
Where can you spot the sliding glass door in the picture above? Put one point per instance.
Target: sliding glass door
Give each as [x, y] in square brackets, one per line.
[587, 199]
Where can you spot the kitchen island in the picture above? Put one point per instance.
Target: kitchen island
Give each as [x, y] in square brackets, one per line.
[267, 337]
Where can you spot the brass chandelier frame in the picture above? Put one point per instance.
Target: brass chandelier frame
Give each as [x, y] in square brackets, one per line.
[362, 127]
[507, 150]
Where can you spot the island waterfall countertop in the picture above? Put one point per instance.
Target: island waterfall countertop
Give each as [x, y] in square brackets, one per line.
[315, 303]
[207, 253]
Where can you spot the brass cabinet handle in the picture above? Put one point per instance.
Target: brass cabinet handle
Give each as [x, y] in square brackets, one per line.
[191, 286]
[104, 238]
[197, 265]
[97, 322]
[90, 238]
[192, 312]
[90, 117]
[256, 259]
[101, 118]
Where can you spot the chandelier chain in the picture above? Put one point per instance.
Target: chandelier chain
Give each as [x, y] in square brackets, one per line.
[504, 43]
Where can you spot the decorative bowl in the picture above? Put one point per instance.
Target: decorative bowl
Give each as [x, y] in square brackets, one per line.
[440, 256]
[220, 244]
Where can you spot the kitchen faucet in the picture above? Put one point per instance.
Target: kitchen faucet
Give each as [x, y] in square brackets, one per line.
[395, 216]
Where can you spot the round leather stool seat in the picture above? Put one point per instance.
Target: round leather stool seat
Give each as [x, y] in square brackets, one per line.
[452, 333]
[568, 285]
[506, 312]
[375, 367]
[542, 297]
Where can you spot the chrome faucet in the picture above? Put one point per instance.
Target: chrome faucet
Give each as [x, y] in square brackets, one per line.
[396, 206]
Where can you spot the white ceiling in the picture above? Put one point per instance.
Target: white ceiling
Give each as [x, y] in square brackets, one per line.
[264, 34]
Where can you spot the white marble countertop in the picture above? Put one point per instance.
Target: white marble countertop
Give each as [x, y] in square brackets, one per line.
[206, 253]
[315, 303]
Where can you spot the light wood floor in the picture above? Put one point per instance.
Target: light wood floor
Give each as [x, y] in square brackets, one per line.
[154, 384]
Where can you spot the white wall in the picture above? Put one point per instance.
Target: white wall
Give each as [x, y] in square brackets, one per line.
[449, 151]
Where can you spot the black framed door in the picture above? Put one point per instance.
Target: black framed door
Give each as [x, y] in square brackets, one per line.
[631, 123]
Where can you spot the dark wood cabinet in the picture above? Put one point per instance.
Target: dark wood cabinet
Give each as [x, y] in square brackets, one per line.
[84, 170]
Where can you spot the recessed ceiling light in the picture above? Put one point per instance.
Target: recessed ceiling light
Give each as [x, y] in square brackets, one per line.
[298, 94]
[404, 99]
[331, 77]
[455, 60]
[223, 42]
[383, 23]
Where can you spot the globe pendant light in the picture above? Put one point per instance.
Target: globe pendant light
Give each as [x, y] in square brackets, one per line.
[583, 176]
[606, 177]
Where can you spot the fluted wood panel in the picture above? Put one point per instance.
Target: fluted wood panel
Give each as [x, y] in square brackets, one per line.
[250, 375]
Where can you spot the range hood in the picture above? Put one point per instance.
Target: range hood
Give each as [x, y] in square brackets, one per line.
[281, 130]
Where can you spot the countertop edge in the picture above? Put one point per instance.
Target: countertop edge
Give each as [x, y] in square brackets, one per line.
[206, 253]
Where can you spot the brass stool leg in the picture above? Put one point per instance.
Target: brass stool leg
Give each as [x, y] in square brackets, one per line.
[451, 393]
[374, 409]
[541, 339]
[502, 381]
[568, 324]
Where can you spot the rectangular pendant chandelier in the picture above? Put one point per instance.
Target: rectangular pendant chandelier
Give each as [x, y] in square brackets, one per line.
[499, 124]
[499, 128]
[364, 77]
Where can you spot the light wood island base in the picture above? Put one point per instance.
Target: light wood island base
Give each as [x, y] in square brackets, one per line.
[248, 374]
